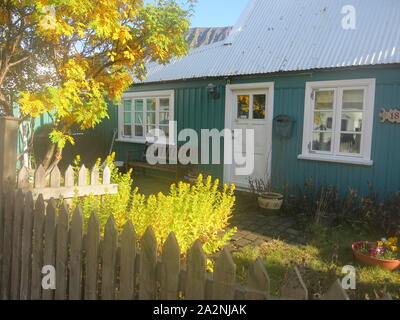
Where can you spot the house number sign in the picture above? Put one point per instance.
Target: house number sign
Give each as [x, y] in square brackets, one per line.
[392, 115]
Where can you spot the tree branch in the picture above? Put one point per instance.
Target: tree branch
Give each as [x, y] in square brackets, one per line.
[11, 64]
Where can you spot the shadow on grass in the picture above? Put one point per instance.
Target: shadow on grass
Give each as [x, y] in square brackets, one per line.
[318, 269]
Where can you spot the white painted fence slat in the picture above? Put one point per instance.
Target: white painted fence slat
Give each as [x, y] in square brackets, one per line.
[127, 262]
[294, 287]
[69, 177]
[62, 253]
[109, 260]
[75, 267]
[258, 282]
[82, 176]
[37, 249]
[55, 178]
[195, 273]
[49, 243]
[16, 244]
[224, 283]
[23, 178]
[170, 268]
[335, 292]
[106, 175]
[26, 250]
[92, 257]
[40, 177]
[94, 176]
[148, 261]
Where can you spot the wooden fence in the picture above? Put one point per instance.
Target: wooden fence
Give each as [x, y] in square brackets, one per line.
[89, 266]
[67, 186]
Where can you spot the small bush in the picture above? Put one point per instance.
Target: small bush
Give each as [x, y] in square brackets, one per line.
[199, 211]
[360, 211]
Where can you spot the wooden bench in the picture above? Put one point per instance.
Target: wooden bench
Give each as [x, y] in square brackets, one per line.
[163, 153]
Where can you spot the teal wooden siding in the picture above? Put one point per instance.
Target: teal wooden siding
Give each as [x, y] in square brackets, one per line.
[194, 109]
[384, 175]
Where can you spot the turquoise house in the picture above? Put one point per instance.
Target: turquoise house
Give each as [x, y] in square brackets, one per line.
[317, 82]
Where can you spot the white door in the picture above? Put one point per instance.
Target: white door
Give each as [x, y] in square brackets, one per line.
[250, 107]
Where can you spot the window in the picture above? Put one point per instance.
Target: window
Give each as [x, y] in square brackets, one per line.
[145, 114]
[251, 106]
[338, 120]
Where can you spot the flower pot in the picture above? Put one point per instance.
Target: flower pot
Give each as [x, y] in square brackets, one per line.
[270, 201]
[372, 261]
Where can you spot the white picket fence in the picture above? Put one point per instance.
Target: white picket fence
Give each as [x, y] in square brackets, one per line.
[69, 185]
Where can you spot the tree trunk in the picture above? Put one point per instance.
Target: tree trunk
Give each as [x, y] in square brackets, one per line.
[7, 107]
[56, 161]
[49, 156]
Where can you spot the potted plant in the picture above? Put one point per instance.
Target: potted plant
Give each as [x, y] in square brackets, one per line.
[383, 254]
[265, 197]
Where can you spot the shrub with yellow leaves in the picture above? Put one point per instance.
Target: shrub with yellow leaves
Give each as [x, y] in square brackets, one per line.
[200, 211]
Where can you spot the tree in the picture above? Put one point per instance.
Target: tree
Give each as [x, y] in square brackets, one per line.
[88, 53]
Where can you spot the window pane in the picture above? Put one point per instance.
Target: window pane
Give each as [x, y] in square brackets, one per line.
[323, 121]
[164, 105]
[127, 118]
[352, 121]
[324, 100]
[127, 130]
[350, 143]
[259, 106]
[322, 141]
[139, 131]
[353, 99]
[139, 118]
[151, 130]
[151, 117]
[243, 107]
[138, 105]
[165, 129]
[164, 118]
[151, 104]
[127, 105]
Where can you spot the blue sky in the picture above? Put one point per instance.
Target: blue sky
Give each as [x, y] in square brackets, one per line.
[217, 13]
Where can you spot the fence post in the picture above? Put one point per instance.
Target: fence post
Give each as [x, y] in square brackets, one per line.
[8, 149]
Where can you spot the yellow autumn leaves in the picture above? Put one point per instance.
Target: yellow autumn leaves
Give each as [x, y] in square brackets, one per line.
[97, 49]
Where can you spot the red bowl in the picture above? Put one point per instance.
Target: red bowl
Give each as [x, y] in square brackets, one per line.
[372, 261]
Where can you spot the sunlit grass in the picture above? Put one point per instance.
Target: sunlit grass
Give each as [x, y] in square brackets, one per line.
[320, 263]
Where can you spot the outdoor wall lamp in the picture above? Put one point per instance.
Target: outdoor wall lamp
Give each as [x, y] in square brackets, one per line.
[212, 91]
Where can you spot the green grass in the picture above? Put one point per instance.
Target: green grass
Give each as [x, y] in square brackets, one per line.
[320, 263]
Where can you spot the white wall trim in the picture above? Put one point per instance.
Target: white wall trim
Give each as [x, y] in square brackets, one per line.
[229, 94]
[346, 160]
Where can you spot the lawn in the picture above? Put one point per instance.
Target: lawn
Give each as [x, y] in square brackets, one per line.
[320, 261]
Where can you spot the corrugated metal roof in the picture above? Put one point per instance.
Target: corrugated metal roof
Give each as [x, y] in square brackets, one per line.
[290, 35]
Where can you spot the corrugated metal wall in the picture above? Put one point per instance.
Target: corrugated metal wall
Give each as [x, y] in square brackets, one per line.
[194, 109]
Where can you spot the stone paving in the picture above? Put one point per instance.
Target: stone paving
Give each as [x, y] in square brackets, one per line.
[255, 229]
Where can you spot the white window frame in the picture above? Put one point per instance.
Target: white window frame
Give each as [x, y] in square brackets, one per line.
[251, 94]
[364, 158]
[162, 94]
